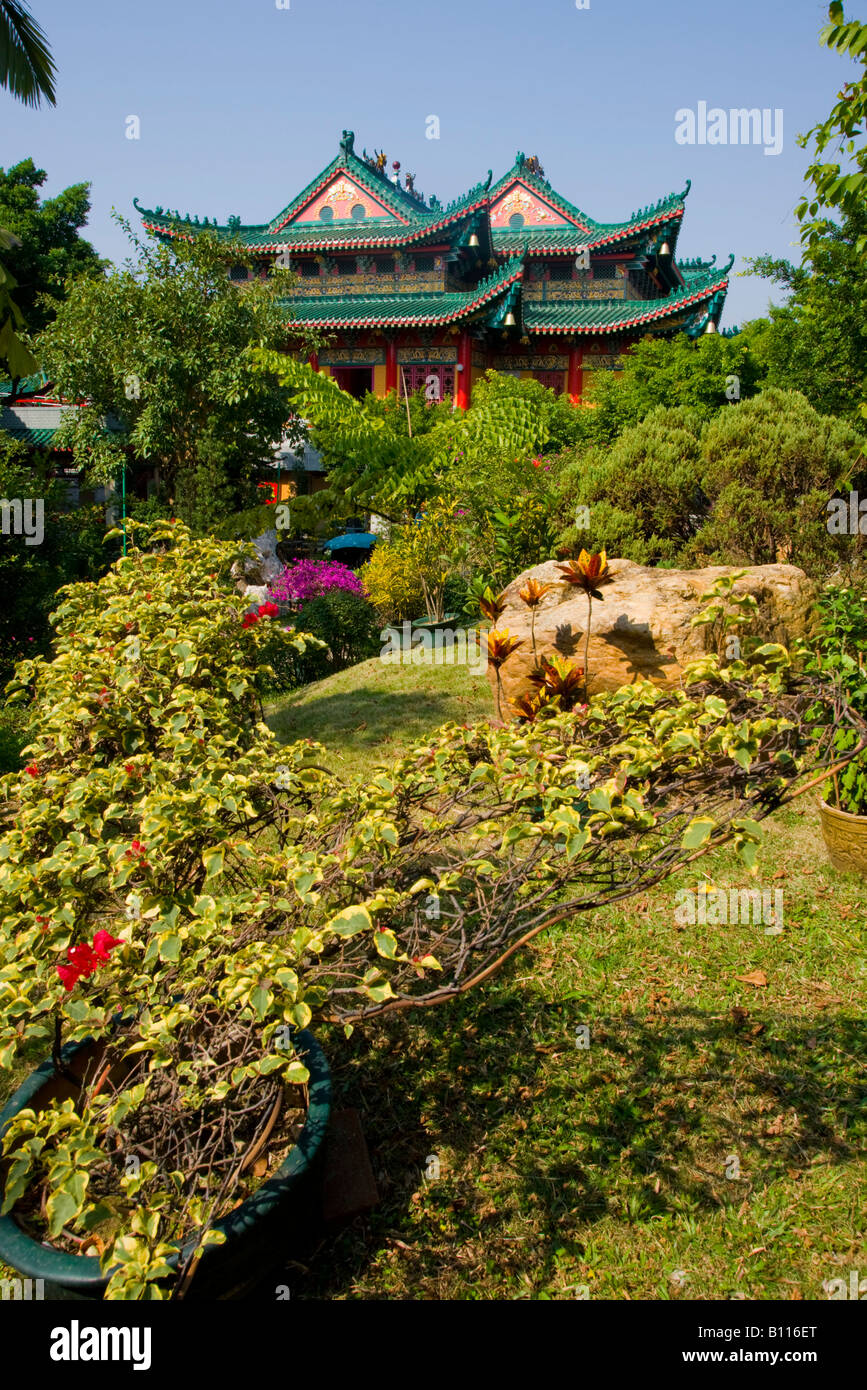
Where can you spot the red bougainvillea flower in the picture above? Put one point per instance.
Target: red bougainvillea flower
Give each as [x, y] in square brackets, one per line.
[537, 463]
[269, 610]
[249, 619]
[82, 958]
[104, 943]
[137, 849]
[43, 922]
[68, 976]
[33, 769]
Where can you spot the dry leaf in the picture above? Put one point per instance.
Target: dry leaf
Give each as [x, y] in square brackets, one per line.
[758, 978]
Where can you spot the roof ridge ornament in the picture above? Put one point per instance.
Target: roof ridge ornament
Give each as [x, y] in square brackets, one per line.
[347, 142]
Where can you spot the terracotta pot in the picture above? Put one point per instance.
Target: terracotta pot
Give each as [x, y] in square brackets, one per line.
[845, 838]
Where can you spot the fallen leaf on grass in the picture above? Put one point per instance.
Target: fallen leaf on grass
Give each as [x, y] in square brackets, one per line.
[758, 978]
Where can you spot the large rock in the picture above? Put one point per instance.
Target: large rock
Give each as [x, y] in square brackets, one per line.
[642, 625]
[264, 567]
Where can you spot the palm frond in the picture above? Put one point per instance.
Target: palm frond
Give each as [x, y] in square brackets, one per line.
[26, 66]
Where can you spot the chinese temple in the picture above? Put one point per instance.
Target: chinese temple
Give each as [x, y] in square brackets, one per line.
[511, 276]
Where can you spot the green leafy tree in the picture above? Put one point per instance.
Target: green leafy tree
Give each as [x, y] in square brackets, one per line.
[51, 250]
[641, 497]
[27, 71]
[161, 348]
[379, 458]
[816, 342]
[769, 468]
[702, 375]
[838, 171]
[749, 486]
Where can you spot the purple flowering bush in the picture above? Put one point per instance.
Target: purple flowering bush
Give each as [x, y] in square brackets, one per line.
[307, 579]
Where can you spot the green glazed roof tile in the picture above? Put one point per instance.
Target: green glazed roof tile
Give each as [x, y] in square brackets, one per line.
[614, 315]
[393, 310]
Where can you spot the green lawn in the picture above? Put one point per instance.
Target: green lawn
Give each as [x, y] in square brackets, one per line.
[609, 1169]
[375, 712]
[708, 1144]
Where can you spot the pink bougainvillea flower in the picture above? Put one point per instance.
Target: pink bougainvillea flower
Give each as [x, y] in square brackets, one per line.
[306, 579]
[249, 619]
[104, 943]
[268, 610]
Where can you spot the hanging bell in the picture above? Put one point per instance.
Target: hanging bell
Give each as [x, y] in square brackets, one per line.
[473, 242]
[509, 320]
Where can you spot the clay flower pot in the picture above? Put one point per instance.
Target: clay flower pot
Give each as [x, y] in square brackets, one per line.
[845, 838]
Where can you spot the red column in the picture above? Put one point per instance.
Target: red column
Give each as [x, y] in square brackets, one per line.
[464, 374]
[574, 382]
[390, 365]
[314, 361]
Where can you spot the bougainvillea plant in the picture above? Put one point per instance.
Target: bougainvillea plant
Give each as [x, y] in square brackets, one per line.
[182, 888]
[307, 579]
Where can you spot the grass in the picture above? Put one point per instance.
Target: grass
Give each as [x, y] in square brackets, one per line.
[374, 712]
[709, 1143]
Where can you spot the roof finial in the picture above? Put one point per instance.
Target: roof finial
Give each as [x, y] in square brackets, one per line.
[347, 142]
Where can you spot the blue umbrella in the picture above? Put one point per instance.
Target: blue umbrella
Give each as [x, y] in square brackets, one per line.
[354, 540]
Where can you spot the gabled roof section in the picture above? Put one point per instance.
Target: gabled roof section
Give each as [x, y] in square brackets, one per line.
[394, 217]
[569, 228]
[600, 316]
[404, 310]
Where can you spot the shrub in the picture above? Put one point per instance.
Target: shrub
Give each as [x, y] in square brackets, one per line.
[346, 623]
[392, 581]
[177, 885]
[769, 467]
[307, 579]
[407, 575]
[643, 493]
[750, 486]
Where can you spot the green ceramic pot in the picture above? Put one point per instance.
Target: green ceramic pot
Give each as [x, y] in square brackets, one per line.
[259, 1233]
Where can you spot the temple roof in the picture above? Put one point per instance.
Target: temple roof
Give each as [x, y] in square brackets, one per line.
[405, 310]
[354, 205]
[600, 316]
[403, 217]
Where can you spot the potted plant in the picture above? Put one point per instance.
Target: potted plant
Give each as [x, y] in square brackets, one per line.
[838, 656]
[153, 941]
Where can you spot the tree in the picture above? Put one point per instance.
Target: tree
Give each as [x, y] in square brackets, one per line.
[48, 251]
[839, 184]
[26, 66]
[749, 486]
[701, 375]
[639, 498]
[161, 348]
[816, 342]
[769, 469]
[27, 71]
[381, 456]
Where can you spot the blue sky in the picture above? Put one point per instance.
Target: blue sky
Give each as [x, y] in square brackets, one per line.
[241, 104]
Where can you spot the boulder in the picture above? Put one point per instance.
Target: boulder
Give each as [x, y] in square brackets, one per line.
[262, 568]
[642, 626]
